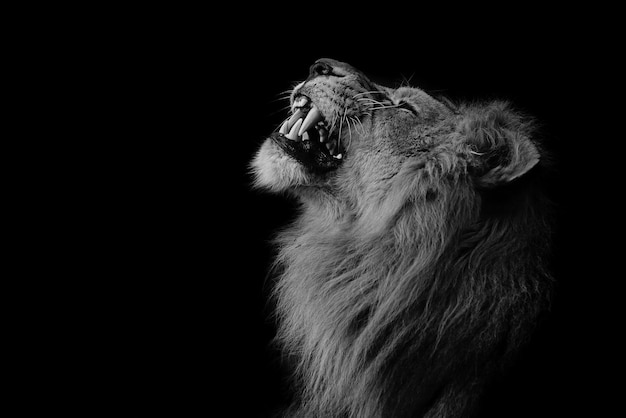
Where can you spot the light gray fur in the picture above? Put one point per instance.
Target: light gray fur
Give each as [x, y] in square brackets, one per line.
[398, 293]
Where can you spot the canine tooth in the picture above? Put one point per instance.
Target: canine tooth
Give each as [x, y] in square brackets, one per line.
[293, 133]
[311, 119]
[305, 136]
[297, 115]
[339, 156]
[285, 128]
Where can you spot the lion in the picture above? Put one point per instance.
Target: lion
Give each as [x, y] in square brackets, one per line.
[416, 267]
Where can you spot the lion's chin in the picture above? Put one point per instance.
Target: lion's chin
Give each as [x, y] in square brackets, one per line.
[276, 170]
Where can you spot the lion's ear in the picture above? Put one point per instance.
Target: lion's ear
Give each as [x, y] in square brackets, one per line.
[522, 157]
[501, 144]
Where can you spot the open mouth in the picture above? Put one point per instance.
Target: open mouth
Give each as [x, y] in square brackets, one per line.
[308, 137]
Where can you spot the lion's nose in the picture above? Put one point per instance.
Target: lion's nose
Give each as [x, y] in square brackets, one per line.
[321, 67]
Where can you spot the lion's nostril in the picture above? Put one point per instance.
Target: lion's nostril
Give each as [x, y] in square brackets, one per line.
[320, 68]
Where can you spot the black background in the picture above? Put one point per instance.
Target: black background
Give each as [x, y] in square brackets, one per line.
[197, 324]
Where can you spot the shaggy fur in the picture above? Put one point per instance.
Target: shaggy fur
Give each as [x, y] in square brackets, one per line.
[416, 269]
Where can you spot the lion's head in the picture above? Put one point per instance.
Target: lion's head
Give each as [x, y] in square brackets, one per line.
[341, 123]
[416, 266]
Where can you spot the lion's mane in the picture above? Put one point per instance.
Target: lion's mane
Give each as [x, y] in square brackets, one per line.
[406, 311]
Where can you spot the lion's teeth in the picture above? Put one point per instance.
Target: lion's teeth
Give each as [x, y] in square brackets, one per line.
[323, 133]
[338, 156]
[311, 119]
[305, 136]
[285, 128]
[293, 133]
[297, 115]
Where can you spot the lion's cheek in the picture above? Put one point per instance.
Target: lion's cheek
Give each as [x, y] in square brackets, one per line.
[275, 170]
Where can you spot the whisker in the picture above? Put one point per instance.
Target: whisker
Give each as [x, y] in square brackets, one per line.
[406, 81]
[366, 99]
[355, 128]
[385, 107]
[349, 132]
[332, 123]
[281, 110]
[283, 95]
[277, 128]
[391, 107]
[366, 92]
[278, 99]
[357, 120]
[372, 101]
[340, 128]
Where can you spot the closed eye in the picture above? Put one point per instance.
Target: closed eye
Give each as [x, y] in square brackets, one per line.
[402, 104]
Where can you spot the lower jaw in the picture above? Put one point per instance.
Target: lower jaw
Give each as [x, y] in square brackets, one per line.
[307, 153]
